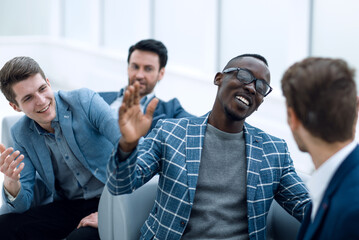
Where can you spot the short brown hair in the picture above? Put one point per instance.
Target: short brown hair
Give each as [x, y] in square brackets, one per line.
[16, 70]
[323, 95]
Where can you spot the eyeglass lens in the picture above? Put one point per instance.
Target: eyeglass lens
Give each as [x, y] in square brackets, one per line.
[247, 78]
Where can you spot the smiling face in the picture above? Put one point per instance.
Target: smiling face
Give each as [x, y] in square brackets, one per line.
[235, 100]
[35, 98]
[144, 67]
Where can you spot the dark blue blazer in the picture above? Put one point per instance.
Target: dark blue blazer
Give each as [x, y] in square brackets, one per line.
[338, 214]
[164, 110]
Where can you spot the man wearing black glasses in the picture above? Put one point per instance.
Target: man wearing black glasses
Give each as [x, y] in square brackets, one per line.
[218, 175]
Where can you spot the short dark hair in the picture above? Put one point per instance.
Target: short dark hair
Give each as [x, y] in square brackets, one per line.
[151, 45]
[253, 55]
[323, 95]
[16, 70]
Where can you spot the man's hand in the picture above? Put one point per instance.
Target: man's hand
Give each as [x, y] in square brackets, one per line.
[8, 162]
[90, 220]
[133, 123]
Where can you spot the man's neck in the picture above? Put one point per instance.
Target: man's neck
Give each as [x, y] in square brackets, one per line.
[321, 151]
[225, 124]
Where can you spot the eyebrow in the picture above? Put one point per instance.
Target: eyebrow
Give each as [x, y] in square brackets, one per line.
[29, 95]
[146, 65]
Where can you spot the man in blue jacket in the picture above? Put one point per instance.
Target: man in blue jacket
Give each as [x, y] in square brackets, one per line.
[64, 140]
[322, 109]
[218, 175]
[147, 60]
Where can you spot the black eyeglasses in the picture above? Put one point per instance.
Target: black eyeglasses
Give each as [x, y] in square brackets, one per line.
[247, 77]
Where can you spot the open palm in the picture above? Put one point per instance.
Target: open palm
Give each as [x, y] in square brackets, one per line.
[133, 123]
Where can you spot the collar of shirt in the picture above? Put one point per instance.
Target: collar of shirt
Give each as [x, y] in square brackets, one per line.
[42, 131]
[146, 99]
[143, 102]
[319, 181]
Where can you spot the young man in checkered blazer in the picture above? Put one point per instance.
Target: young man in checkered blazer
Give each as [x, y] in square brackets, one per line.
[218, 175]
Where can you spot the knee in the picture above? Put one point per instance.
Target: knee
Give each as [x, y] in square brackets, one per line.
[84, 233]
[9, 225]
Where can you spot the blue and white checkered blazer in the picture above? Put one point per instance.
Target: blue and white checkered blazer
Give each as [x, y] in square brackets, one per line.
[173, 150]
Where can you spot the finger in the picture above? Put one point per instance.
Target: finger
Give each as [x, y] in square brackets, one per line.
[10, 164]
[16, 162]
[12, 157]
[131, 95]
[80, 225]
[17, 171]
[2, 148]
[6, 159]
[5, 154]
[151, 107]
[136, 94]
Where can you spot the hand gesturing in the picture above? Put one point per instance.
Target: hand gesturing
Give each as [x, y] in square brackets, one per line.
[9, 161]
[133, 123]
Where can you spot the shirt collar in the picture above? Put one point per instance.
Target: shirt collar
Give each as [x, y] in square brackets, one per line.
[319, 181]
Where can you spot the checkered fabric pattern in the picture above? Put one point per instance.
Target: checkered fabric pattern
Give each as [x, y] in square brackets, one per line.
[173, 150]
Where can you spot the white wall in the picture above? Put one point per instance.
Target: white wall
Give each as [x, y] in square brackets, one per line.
[85, 43]
[336, 30]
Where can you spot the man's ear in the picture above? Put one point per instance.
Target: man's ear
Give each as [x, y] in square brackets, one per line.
[48, 82]
[356, 118]
[218, 79]
[292, 119]
[161, 74]
[15, 107]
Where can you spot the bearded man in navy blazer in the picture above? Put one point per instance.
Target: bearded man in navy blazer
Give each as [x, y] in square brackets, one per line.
[322, 112]
[218, 175]
[147, 60]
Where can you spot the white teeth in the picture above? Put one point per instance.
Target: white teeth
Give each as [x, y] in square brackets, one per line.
[43, 110]
[242, 99]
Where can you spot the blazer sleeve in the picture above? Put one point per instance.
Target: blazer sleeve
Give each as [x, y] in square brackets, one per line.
[126, 175]
[24, 198]
[100, 114]
[292, 194]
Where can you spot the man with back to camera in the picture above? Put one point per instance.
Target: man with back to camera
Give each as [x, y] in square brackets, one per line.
[217, 174]
[146, 60]
[64, 137]
[322, 112]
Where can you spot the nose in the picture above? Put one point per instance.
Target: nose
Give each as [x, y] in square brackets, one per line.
[251, 87]
[140, 74]
[40, 99]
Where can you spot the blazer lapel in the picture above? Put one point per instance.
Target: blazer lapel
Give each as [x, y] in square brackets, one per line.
[194, 144]
[65, 120]
[254, 155]
[319, 217]
[42, 163]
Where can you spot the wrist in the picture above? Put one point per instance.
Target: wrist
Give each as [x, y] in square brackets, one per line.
[11, 186]
[126, 146]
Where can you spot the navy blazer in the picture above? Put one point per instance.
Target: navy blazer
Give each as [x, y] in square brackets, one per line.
[337, 217]
[170, 109]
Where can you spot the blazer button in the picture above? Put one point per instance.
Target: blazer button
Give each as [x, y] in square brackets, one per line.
[183, 223]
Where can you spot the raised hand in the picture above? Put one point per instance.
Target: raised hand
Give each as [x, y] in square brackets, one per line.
[133, 123]
[9, 161]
